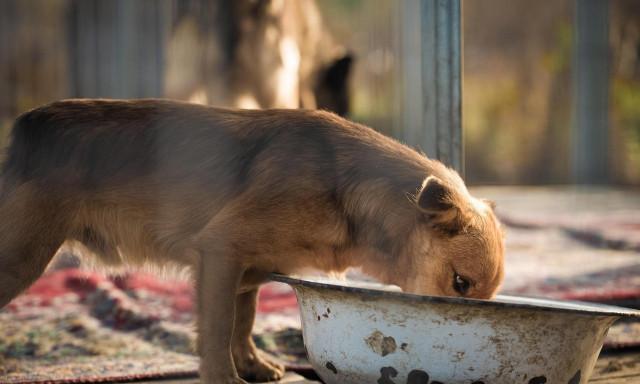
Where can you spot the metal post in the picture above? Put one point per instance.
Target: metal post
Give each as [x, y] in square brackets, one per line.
[127, 82]
[441, 82]
[411, 131]
[591, 92]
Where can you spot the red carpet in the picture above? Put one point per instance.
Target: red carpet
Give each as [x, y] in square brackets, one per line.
[74, 326]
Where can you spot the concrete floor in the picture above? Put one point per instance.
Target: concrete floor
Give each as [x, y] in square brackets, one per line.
[619, 368]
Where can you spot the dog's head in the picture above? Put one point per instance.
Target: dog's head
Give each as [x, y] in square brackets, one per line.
[458, 246]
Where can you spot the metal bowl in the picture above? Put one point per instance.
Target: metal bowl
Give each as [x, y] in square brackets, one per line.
[355, 334]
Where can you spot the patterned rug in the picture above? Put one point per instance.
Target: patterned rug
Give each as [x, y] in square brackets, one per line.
[555, 262]
[77, 326]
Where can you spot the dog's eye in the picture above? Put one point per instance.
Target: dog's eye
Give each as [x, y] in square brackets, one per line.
[460, 285]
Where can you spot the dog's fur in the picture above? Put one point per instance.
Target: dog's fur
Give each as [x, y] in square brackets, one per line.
[233, 195]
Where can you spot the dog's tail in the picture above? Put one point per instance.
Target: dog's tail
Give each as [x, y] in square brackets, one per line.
[28, 153]
[33, 221]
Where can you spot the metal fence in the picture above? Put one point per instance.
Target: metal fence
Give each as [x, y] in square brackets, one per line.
[58, 49]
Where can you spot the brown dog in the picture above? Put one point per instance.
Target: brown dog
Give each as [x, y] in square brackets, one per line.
[233, 195]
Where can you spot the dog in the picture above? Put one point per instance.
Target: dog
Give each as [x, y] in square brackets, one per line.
[259, 54]
[232, 195]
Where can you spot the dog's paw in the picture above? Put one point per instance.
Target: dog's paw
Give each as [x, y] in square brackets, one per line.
[212, 374]
[255, 368]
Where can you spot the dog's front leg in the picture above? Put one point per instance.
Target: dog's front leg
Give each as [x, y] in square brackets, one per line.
[217, 285]
[245, 354]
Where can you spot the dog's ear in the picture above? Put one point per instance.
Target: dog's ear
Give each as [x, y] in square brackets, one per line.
[444, 206]
[435, 197]
[332, 90]
[490, 203]
[338, 71]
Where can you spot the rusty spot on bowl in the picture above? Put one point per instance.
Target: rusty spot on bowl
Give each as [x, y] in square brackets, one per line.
[331, 367]
[386, 374]
[381, 344]
[418, 377]
[576, 378]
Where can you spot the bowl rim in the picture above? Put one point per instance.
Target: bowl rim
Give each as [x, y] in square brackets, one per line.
[505, 301]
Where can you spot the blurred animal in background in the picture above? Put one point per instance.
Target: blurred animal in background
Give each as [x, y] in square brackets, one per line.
[256, 54]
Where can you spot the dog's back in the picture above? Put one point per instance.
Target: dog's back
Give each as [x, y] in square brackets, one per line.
[88, 144]
[139, 181]
[136, 180]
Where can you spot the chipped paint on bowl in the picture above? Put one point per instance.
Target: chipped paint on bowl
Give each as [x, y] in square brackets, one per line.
[355, 334]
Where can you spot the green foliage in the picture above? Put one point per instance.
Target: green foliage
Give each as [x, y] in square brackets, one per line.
[626, 109]
[558, 58]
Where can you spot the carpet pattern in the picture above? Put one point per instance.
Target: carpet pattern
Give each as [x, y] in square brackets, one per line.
[552, 261]
[76, 325]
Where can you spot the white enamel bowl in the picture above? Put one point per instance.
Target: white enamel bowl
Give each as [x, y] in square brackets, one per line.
[359, 335]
